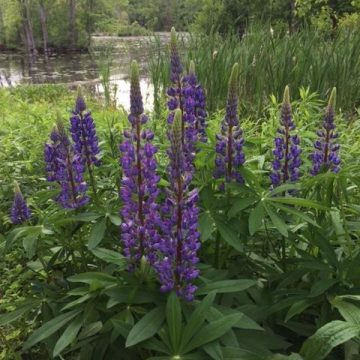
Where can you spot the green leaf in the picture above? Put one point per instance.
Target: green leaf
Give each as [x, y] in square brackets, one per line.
[49, 328]
[348, 311]
[115, 219]
[11, 316]
[146, 327]
[235, 353]
[91, 329]
[214, 350]
[299, 202]
[206, 225]
[78, 301]
[94, 279]
[29, 245]
[174, 320]
[298, 214]
[197, 318]
[84, 217]
[321, 286]
[226, 286]
[121, 327]
[229, 235]
[212, 331]
[298, 307]
[110, 256]
[97, 233]
[241, 204]
[256, 218]
[277, 221]
[68, 336]
[319, 345]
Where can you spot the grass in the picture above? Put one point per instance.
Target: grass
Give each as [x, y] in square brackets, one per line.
[268, 62]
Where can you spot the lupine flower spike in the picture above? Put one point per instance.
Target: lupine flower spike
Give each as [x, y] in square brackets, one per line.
[287, 150]
[229, 145]
[65, 166]
[20, 212]
[139, 189]
[180, 242]
[326, 152]
[194, 105]
[83, 133]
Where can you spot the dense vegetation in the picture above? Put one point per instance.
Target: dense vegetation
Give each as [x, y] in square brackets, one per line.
[268, 266]
[43, 25]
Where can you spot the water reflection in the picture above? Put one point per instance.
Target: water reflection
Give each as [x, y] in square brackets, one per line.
[74, 69]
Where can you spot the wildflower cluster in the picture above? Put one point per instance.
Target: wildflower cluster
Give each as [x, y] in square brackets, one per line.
[65, 166]
[165, 233]
[186, 94]
[229, 145]
[139, 190]
[287, 150]
[83, 133]
[20, 212]
[326, 149]
[180, 241]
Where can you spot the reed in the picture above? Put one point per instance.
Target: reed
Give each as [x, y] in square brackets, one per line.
[267, 63]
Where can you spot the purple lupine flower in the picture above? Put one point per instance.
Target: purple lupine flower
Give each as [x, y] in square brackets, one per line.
[182, 96]
[83, 133]
[176, 265]
[139, 190]
[65, 166]
[287, 151]
[326, 149]
[197, 109]
[20, 212]
[229, 146]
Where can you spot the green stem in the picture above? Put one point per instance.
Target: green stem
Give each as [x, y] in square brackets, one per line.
[217, 251]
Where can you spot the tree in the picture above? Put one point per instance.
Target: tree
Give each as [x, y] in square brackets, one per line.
[43, 22]
[28, 35]
[72, 24]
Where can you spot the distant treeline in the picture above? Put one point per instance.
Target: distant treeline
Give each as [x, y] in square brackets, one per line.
[46, 25]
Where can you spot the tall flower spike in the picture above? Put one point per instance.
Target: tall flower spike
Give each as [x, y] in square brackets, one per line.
[326, 156]
[139, 190]
[20, 212]
[64, 166]
[176, 265]
[175, 90]
[287, 151]
[229, 145]
[83, 133]
[182, 95]
[195, 106]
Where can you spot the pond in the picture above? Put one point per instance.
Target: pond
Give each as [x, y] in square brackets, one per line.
[84, 68]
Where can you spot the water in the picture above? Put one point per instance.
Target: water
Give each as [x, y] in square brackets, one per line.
[84, 69]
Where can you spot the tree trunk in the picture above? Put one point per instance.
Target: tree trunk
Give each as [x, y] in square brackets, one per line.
[89, 20]
[28, 35]
[72, 25]
[43, 21]
[292, 17]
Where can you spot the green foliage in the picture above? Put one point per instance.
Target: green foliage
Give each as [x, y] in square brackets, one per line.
[267, 63]
[278, 266]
